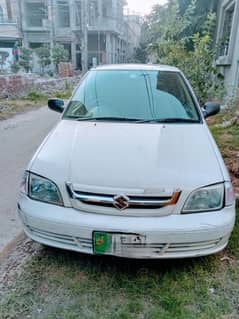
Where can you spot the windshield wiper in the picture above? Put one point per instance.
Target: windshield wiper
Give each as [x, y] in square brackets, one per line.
[139, 121]
[170, 120]
[105, 119]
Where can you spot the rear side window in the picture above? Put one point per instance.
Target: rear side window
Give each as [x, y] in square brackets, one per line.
[142, 95]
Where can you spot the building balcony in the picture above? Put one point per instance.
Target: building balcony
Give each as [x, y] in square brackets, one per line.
[105, 25]
[63, 32]
[7, 21]
[9, 31]
[225, 60]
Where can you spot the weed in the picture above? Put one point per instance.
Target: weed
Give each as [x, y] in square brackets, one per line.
[63, 95]
[35, 96]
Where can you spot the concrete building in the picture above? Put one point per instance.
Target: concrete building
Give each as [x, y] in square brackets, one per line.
[9, 28]
[132, 32]
[228, 43]
[93, 31]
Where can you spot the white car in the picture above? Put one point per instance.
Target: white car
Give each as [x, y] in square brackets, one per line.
[131, 170]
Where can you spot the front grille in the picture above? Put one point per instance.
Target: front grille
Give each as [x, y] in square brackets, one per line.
[69, 241]
[170, 248]
[134, 250]
[122, 201]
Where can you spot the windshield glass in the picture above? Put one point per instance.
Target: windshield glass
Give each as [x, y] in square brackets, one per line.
[132, 95]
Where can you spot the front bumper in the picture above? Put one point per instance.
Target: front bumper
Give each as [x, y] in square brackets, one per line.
[174, 236]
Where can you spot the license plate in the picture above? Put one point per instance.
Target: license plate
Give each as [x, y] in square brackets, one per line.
[115, 244]
[102, 243]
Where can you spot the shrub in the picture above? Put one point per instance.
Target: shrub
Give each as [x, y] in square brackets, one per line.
[63, 95]
[35, 96]
[15, 67]
[25, 59]
[59, 54]
[44, 57]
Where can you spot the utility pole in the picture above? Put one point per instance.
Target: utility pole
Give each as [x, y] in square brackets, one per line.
[72, 15]
[98, 33]
[84, 43]
[127, 35]
[51, 29]
[100, 14]
[98, 40]
[20, 21]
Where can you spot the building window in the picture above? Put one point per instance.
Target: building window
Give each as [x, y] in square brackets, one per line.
[107, 9]
[36, 12]
[93, 12]
[63, 14]
[1, 15]
[224, 43]
[36, 45]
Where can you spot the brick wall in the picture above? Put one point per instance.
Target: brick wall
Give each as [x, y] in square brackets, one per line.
[20, 85]
[3, 85]
[13, 85]
[65, 69]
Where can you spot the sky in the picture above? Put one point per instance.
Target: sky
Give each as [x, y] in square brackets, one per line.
[143, 6]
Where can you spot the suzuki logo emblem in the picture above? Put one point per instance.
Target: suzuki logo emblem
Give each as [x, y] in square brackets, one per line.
[121, 202]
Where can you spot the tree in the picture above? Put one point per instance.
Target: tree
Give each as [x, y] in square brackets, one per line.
[202, 9]
[44, 57]
[59, 54]
[141, 54]
[166, 23]
[25, 60]
[15, 67]
[170, 39]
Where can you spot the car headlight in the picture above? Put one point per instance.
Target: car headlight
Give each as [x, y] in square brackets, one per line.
[40, 189]
[205, 199]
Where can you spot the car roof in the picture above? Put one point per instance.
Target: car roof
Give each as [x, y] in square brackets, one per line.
[140, 67]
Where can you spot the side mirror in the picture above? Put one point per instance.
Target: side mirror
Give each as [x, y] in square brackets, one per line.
[56, 105]
[210, 109]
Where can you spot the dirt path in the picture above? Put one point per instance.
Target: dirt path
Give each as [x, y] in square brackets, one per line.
[19, 138]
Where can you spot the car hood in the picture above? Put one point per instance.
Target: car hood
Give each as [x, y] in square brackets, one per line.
[140, 157]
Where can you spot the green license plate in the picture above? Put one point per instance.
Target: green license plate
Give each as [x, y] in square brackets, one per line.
[116, 243]
[102, 242]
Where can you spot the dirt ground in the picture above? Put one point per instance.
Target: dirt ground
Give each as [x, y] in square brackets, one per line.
[13, 258]
[233, 166]
[20, 136]
[227, 138]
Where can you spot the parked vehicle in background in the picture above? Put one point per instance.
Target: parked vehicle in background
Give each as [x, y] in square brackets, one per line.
[131, 170]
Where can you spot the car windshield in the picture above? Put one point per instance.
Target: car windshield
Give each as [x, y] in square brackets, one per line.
[133, 95]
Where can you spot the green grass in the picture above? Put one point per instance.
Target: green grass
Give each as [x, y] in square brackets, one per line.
[36, 96]
[59, 284]
[31, 101]
[228, 137]
[228, 142]
[18, 106]
[64, 95]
